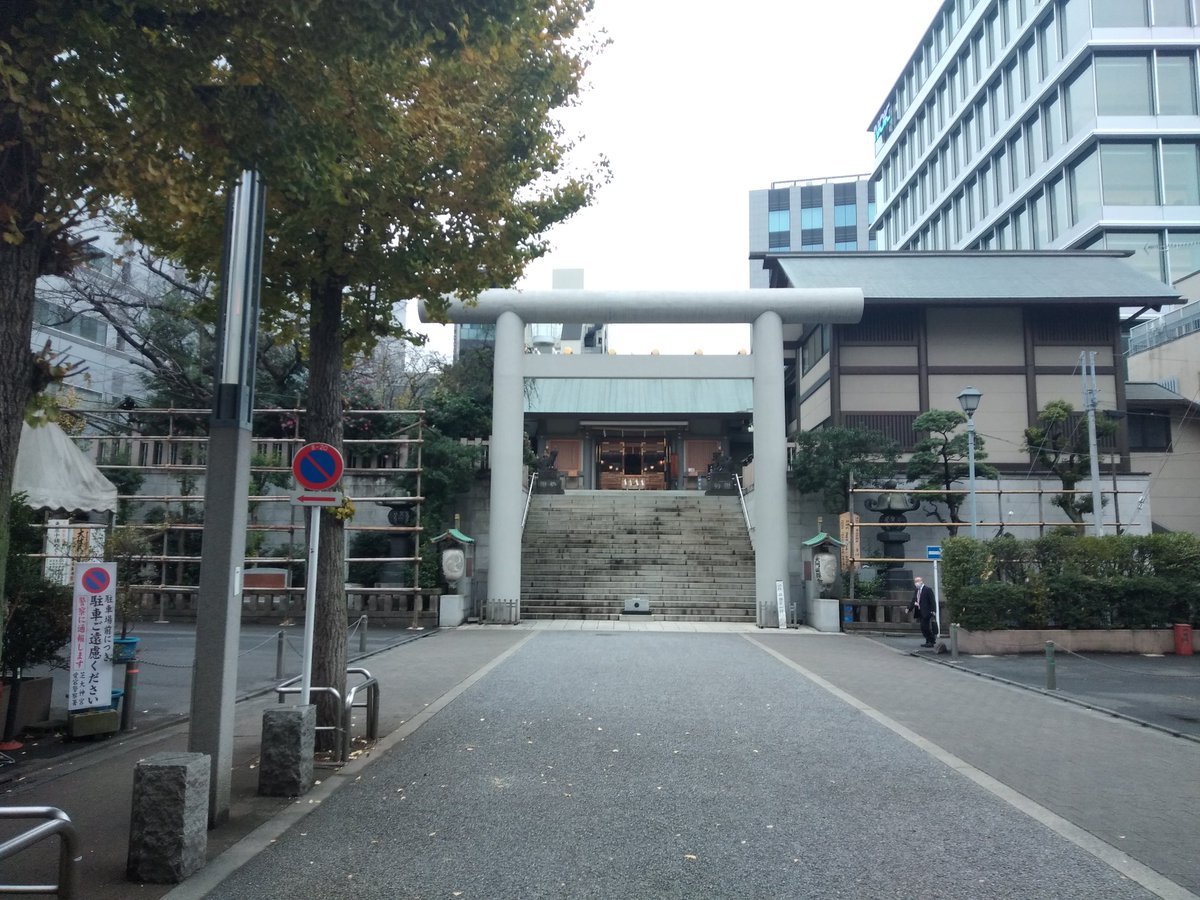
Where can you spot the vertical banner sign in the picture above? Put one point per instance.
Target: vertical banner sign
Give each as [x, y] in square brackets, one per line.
[93, 612]
[781, 604]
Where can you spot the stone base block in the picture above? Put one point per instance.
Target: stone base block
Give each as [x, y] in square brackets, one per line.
[92, 723]
[286, 762]
[168, 830]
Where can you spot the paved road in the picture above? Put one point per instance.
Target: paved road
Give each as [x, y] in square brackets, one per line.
[645, 765]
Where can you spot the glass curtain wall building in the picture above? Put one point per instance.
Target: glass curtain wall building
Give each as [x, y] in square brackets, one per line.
[1045, 125]
[817, 214]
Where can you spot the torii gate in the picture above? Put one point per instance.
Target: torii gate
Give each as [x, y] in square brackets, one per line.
[766, 310]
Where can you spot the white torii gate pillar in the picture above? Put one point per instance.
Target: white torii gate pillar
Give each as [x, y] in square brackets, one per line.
[767, 310]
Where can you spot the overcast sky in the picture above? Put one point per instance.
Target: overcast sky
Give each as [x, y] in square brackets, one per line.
[695, 104]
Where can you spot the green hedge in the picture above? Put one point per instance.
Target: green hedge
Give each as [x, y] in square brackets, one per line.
[1066, 581]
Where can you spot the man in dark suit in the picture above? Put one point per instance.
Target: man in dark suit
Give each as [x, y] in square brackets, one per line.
[924, 604]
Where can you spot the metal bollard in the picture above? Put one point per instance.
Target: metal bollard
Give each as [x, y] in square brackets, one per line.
[954, 640]
[279, 656]
[1051, 680]
[129, 698]
[362, 634]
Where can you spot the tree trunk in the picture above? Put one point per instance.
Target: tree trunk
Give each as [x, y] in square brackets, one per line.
[324, 424]
[19, 269]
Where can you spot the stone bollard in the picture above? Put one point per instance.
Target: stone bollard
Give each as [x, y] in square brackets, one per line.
[286, 764]
[168, 829]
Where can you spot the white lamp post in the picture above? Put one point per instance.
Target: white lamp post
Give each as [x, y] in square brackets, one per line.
[968, 399]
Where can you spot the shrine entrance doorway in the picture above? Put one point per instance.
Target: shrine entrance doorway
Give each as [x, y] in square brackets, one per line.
[634, 461]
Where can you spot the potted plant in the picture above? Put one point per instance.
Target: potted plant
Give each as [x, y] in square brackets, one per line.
[37, 625]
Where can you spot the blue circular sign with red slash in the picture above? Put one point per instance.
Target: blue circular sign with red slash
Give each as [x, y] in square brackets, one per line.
[95, 580]
[317, 466]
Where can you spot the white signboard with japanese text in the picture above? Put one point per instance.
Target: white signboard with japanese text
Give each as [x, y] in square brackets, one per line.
[67, 544]
[93, 613]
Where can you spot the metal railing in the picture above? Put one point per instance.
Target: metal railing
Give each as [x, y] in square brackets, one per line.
[528, 500]
[69, 857]
[745, 512]
[344, 725]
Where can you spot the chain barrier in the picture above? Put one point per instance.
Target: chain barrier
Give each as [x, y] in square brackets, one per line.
[1096, 662]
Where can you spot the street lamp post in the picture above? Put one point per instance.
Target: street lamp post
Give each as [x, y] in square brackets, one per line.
[968, 399]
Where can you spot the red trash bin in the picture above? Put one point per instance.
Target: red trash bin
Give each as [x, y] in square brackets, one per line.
[1183, 640]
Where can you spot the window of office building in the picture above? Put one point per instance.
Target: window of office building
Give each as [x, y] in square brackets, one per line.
[1053, 122]
[1183, 253]
[1169, 13]
[845, 215]
[812, 217]
[1011, 16]
[1181, 174]
[1000, 167]
[1002, 236]
[1080, 101]
[1029, 76]
[1035, 141]
[1144, 246]
[1019, 161]
[1123, 86]
[1059, 220]
[1039, 221]
[1118, 13]
[811, 236]
[1073, 23]
[1012, 88]
[1129, 174]
[1084, 175]
[845, 245]
[1020, 224]
[1048, 50]
[992, 36]
[1176, 85]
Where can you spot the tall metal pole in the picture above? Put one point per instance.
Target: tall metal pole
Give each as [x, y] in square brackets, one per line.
[971, 472]
[1088, 359]
[226, 492]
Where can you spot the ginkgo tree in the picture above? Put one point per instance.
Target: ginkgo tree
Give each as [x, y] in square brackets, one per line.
[408, 147]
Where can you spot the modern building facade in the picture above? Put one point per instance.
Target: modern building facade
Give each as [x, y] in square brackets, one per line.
[817, 214]
[1022, 125]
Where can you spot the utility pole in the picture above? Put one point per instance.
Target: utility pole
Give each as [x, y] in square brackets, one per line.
[1087, 359]
[227, 486]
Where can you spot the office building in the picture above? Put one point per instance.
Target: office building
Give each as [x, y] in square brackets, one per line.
[817, 214]
[1021, 125]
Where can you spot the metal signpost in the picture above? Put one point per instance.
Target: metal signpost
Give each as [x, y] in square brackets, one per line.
[934, 552]
[316, 467]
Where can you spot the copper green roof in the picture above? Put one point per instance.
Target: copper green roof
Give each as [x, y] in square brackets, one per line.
[822, 538]
[455, 534]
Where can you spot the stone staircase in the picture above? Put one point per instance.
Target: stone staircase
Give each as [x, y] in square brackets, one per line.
[585, 553]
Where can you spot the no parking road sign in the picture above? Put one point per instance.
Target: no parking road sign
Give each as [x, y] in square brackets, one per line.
[317, 467]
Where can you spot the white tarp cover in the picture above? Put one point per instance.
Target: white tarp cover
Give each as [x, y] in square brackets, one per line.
[55, 474]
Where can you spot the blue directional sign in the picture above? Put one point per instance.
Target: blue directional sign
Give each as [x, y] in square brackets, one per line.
[317, 466]
[933, 551]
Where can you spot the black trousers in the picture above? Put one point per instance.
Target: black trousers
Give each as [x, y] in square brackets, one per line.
[929, 628]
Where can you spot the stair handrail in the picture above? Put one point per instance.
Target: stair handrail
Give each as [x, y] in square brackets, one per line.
[745, 512]
[528, 500]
